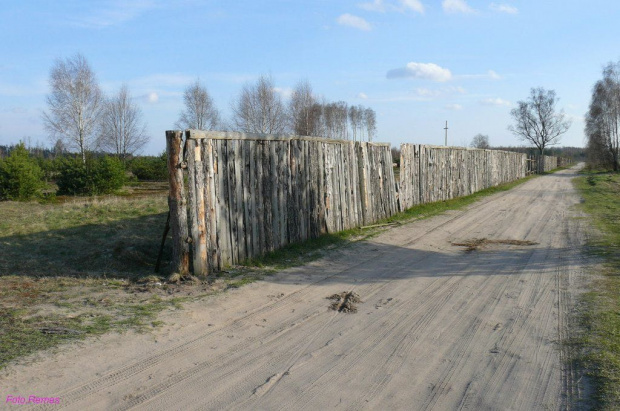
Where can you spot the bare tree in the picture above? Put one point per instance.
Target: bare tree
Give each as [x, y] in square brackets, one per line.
[341, 120]
[353, 119]
[123, 130]
[370, 122]
[480, 141]
[603, 119]
[329, 115]
[301, 109]
[200, 113]
[74, 105]
[259, 109]
[536, 120]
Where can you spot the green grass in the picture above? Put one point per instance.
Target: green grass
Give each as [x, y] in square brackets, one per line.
[600, 341]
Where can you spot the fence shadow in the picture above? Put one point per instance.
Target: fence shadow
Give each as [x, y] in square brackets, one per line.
[371, 263]
[127, 248]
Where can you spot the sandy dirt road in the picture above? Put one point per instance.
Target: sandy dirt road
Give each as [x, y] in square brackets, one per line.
[438, 327]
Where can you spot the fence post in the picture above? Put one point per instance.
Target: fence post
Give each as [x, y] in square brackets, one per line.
[177, 203]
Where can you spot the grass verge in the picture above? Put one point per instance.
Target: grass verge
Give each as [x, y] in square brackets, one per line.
[600, 342]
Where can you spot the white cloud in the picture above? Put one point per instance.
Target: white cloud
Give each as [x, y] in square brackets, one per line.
[376, 5]
[495, 102]
[426, 71]
[454, 107]
[414, 5]
[354, 21]
[456, 6]
[503, 8]
[363, 96]
[152, 97]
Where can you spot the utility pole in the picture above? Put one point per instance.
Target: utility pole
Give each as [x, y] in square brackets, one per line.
[446, 128]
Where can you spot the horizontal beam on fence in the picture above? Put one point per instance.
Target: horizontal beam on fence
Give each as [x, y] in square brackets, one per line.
[233, 135]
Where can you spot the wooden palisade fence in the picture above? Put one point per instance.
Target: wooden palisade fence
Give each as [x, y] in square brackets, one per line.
[433, 173]
[249, 194]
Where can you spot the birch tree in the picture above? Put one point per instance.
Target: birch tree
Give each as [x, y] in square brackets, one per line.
[301, 108]
[603, 119]
[259, 109]
[74, 105]
[200, 112]
[123, 130]
[370, 121]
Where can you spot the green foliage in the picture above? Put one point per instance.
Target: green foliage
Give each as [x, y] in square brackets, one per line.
[49, 167]
[20, 176]
[150, 168]
[107, 175]
[102, 175]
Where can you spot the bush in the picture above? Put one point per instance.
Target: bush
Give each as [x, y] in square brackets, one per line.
[107, 175]
[150, 168]
[20, 176]
[102, 175]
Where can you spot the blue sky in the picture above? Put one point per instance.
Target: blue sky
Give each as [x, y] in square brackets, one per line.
[417, 63]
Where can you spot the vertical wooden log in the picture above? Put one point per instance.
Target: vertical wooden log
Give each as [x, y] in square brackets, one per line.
[253, 179]
[260, 199]
[329, 189]
[301, 174]
[308, 149]
[223, 211]
[321, 192]
[239, 204]
[293, 204]
[363, 180]
[196, 206]
[177, 203]
[247, 200]
[213, 255]
[274, 148]
[283, 191]
[267, 197]
[235, 236]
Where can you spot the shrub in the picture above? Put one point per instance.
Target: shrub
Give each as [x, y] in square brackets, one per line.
[107, 175]
[20, 176]
[72, 177]
[102, 175]
[150, 168]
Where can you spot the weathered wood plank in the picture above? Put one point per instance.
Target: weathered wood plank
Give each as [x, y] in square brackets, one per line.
[177, 203]
[197, 209]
